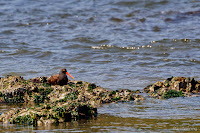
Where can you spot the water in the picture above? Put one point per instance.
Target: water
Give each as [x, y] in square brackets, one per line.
[115, 44]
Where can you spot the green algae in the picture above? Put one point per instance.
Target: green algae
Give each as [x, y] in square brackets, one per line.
[40, 99]
[70, 96]
[113, 92]
[116, 98]
[172, 93]
[91, 87]
[62, 112]
[27, 120]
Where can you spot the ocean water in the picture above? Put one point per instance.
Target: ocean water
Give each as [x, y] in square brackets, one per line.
[112, 43]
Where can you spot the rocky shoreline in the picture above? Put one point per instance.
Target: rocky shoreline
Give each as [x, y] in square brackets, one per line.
[56, 104]
[77, 100]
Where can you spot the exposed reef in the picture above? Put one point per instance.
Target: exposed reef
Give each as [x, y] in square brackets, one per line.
[45, 104]
[56, 104]
[174, 87]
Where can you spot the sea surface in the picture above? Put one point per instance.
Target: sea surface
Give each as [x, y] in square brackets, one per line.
[115, 44]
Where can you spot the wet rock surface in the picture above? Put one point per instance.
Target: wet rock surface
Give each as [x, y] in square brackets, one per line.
[46, 104]
[174, 87]
[56, 104]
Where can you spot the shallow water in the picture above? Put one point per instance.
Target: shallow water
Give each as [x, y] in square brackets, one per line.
[151, 115]
[115, 44]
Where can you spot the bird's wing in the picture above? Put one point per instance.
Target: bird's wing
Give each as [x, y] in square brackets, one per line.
[53, 79]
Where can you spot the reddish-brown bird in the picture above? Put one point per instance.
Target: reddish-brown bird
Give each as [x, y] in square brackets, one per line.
[59, 79]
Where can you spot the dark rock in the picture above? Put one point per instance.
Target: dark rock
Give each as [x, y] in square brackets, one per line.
[173, 87]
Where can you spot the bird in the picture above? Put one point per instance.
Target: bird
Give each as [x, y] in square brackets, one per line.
[59, 79]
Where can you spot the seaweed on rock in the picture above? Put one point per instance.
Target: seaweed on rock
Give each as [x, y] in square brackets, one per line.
[173, 87]
[55, 104]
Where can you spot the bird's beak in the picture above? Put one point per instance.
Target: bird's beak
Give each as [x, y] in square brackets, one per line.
[69, 75]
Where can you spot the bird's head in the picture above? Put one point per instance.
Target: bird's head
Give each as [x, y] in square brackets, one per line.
[65, 72]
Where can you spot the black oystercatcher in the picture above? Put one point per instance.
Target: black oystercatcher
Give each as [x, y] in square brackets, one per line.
[59, 79]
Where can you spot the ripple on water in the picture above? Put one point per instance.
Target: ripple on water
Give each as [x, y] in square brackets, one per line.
[7, 32]
[106, 46]
[19, 52]
[127, 3]
[44, 55]
[24, 53]
[89, 40]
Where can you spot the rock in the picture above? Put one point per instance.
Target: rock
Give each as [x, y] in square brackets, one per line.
[39, 80]
[136, 97]
[173, 87]
[56, 104]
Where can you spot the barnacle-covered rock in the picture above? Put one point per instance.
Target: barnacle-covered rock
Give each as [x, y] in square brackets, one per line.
[56, 104]
[173, 87]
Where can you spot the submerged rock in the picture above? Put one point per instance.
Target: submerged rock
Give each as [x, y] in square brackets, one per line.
[173, 87]
[54, 104]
